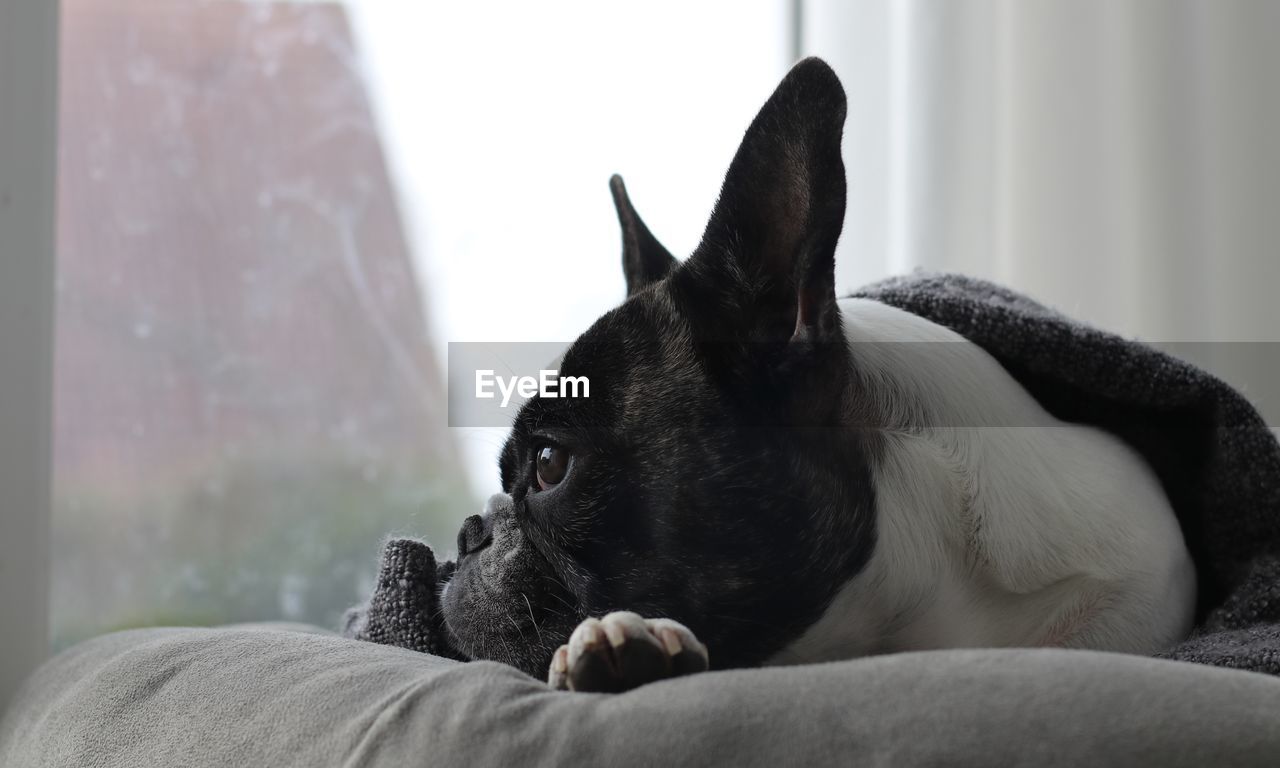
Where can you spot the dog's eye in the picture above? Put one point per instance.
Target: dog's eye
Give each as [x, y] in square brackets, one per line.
[552, 463]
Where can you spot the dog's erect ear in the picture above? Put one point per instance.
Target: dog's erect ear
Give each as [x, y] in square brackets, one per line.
[644, 260]
[769, 248]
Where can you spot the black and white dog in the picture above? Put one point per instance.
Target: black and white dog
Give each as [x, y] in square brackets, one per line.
[779, 473]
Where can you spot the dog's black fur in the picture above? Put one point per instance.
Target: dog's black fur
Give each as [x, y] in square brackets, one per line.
[715, 476]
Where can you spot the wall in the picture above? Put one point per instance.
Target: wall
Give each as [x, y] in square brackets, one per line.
[28, 85]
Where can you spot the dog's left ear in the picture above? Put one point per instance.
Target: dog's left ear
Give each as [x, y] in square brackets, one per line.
[766, 263]
[644, 259]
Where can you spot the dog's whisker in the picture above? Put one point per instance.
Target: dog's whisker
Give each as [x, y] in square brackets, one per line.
[532, 619]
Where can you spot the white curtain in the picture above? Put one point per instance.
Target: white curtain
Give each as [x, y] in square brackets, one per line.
[1117, 159]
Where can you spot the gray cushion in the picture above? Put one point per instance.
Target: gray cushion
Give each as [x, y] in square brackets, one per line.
[273, 697]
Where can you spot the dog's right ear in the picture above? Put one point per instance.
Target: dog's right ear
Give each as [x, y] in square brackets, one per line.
[644, 260]
[765, 269]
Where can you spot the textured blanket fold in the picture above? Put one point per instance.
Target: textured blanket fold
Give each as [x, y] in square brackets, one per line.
[404, 609]
[1218, 461]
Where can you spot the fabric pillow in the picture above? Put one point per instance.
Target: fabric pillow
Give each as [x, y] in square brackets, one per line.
[253, 696]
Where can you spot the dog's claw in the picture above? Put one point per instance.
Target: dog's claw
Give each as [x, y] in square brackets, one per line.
[622, 651]
[558, 674]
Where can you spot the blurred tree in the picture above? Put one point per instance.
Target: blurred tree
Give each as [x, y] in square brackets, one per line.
[246, 398]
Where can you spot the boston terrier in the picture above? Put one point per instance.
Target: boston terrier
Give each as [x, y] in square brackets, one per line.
[772, 475]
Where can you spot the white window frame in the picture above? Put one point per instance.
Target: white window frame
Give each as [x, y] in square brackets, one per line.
[28, 158]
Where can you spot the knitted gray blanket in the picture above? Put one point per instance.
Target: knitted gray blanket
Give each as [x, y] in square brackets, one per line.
[1217, 459]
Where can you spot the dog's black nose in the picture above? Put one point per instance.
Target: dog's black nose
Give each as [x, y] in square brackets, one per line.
[476, 534]
[477, 530]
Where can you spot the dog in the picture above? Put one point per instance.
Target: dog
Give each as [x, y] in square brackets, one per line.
[766, 474]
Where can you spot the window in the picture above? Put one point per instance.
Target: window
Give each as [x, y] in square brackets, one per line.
[272, 217]
[246, 396]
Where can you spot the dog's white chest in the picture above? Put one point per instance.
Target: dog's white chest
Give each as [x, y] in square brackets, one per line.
[997, 525]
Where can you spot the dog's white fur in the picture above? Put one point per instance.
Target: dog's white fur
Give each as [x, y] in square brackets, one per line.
[997, 525]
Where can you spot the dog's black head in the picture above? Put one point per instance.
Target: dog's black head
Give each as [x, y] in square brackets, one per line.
[708, 477]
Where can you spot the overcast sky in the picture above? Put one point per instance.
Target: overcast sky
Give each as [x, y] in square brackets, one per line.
[503, 122]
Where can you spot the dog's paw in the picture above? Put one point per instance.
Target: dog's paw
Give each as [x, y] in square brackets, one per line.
[623, 651]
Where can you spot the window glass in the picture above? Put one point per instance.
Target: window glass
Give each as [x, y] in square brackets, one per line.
[247, 399]
[273, 217]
